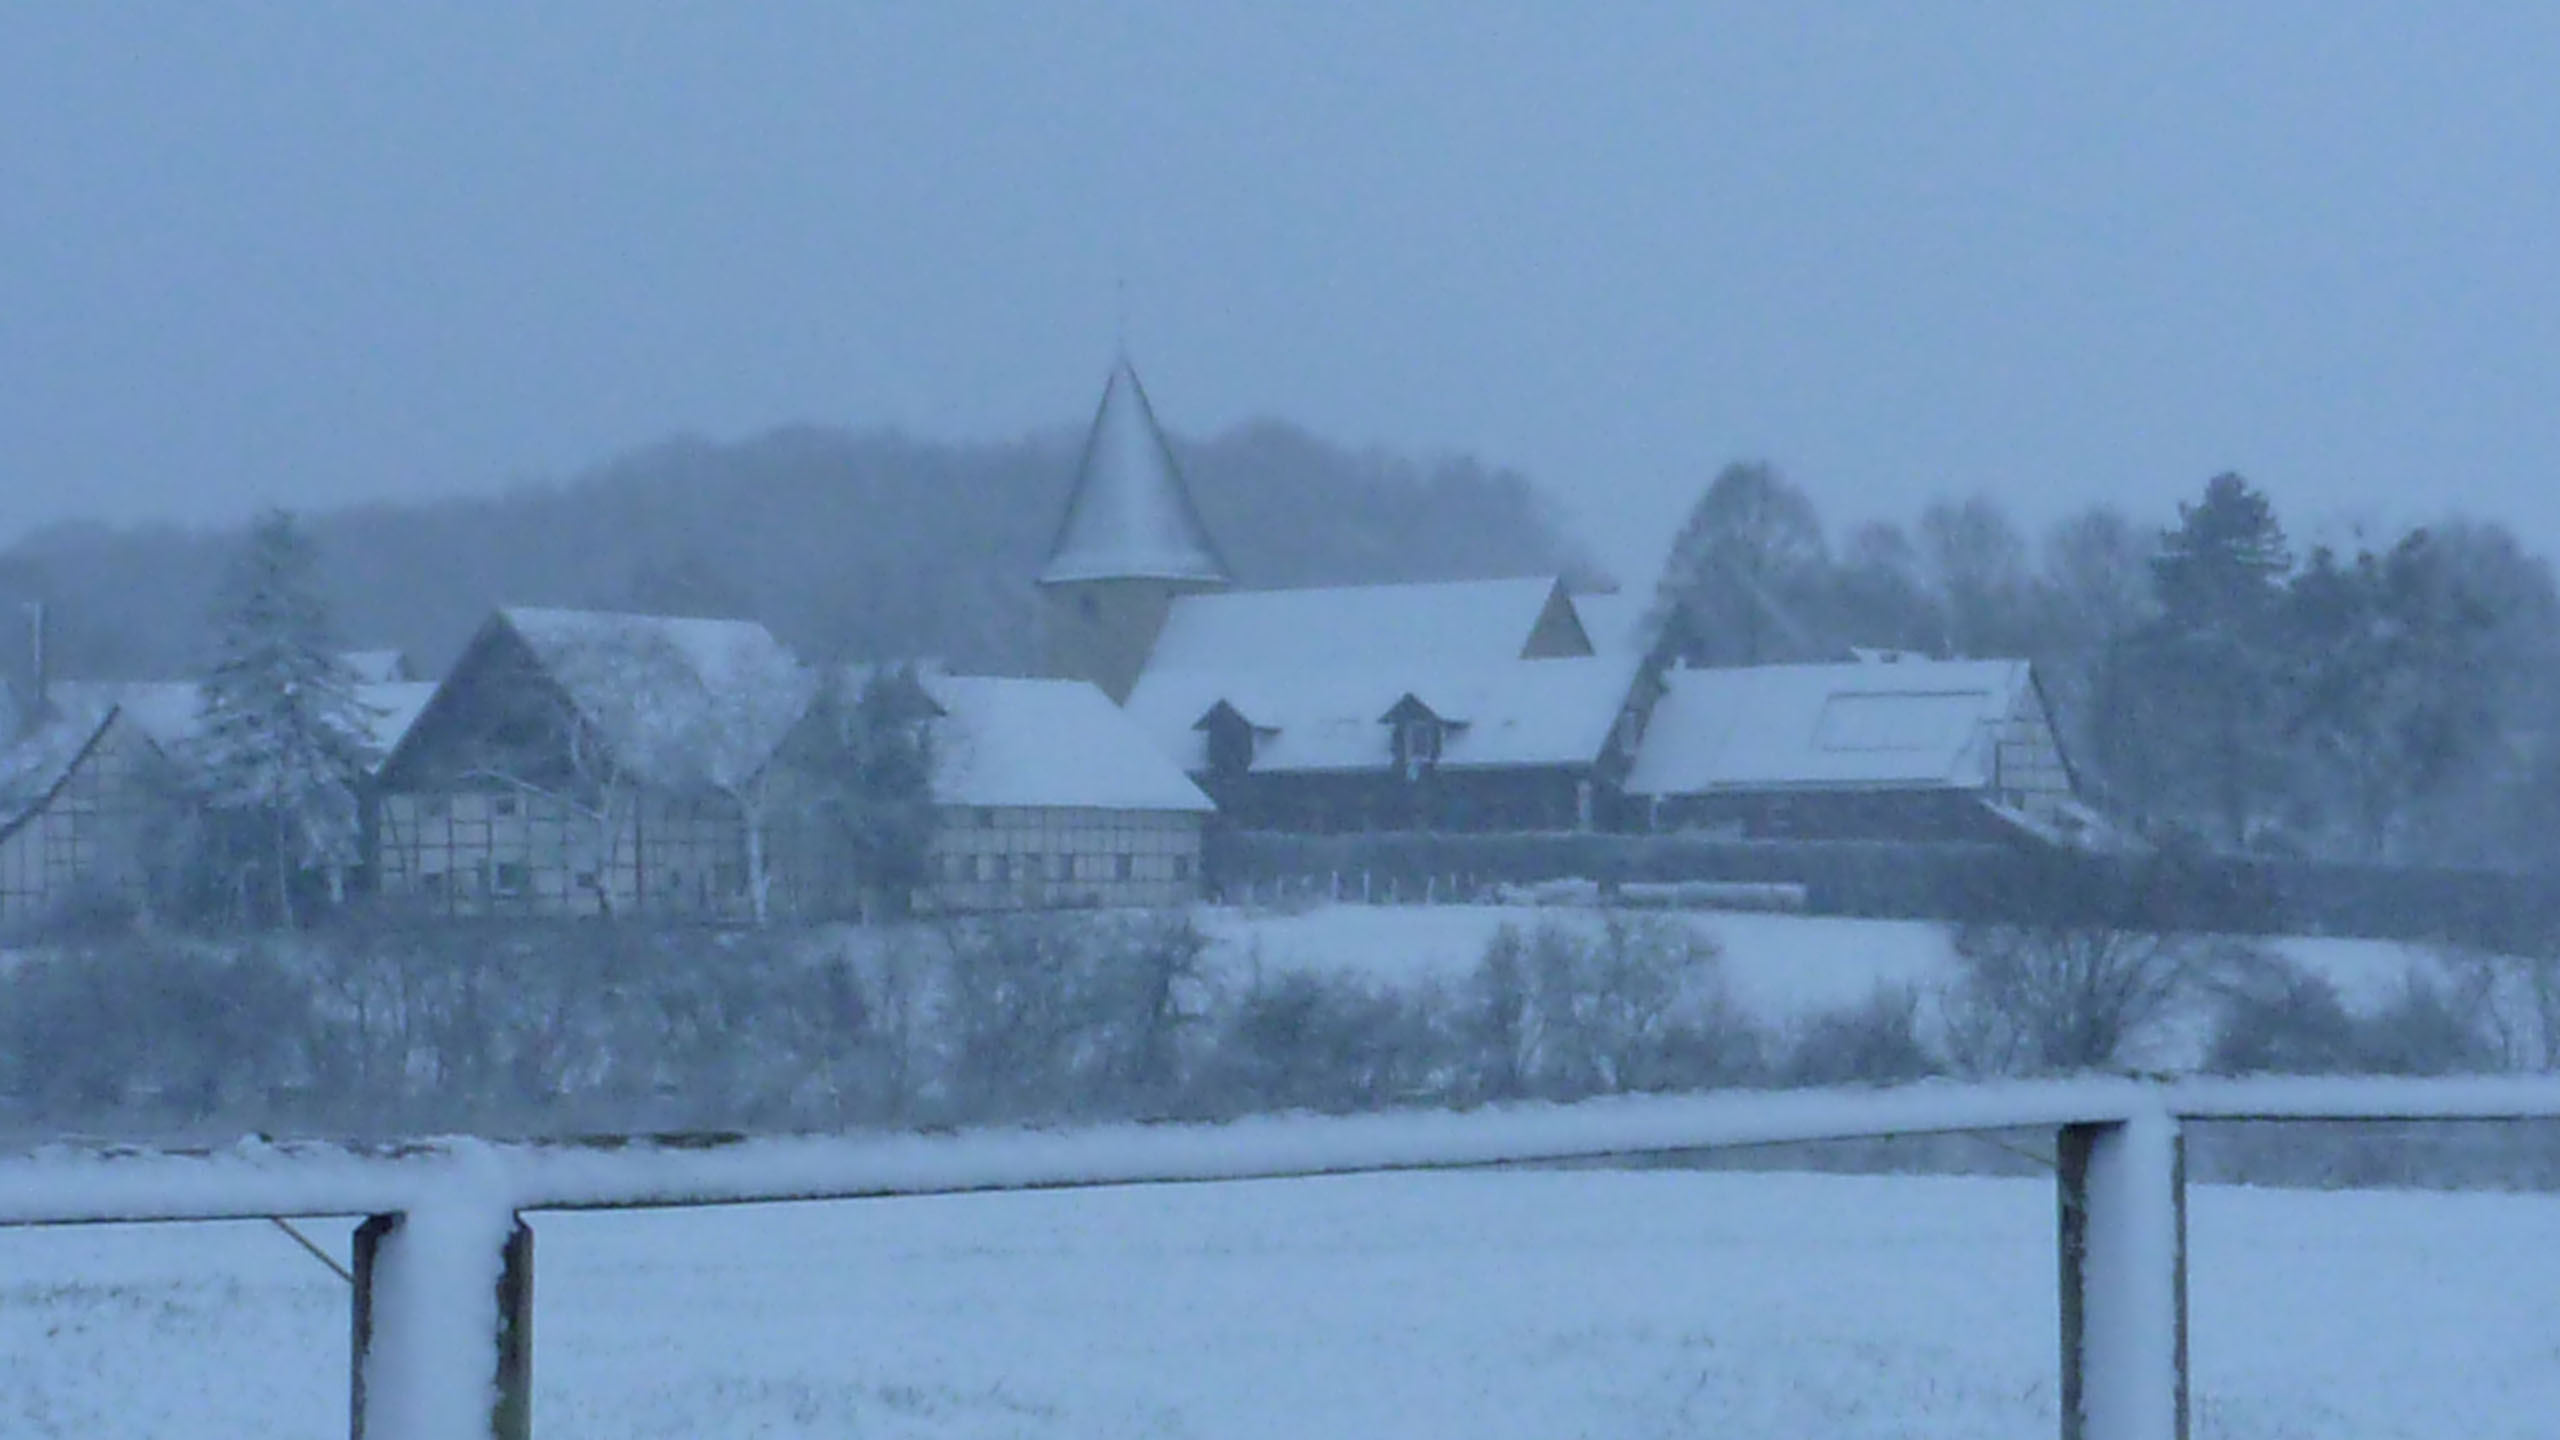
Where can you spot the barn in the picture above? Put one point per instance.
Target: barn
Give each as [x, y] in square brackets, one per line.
[83, 804]
[1884, 748]
[1046, 794]
[586, 763]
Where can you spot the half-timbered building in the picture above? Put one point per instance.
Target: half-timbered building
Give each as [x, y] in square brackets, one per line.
[1886, 748]
[85, 815]
[587, 763]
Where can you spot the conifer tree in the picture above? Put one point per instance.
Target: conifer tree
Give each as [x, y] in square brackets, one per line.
[283, 737]
[866, 753]
[2215, 653]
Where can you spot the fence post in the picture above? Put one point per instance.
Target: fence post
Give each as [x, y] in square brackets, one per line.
[2121, 1189]
[432, 1356]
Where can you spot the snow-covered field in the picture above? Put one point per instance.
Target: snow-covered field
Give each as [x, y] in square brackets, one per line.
[1779, 968]
[1524, 1304]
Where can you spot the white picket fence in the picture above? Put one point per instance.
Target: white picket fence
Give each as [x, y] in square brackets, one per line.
[444, 1264]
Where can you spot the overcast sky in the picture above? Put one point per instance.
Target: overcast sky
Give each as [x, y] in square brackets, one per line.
[2058, 254]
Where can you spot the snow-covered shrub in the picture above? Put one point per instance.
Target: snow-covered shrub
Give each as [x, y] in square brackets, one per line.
[1573, 1009]
[2048, 997]
[1309, 1041]
[1875, 1041]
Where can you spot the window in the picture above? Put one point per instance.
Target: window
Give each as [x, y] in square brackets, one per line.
[1062, 867]
[503, 805]
[1003, 868]
[1417, 740]
[510, 877]
[1182, 867]
[1124, 867]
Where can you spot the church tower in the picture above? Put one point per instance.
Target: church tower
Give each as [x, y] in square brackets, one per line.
[1130, 544]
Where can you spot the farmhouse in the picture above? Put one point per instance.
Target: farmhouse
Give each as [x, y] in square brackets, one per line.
[1508, 704]
[82, 809]
[1460, 705]
[586, 763]
[1047, 794]
[578, 763]
[1888, 748]
[1500, 745]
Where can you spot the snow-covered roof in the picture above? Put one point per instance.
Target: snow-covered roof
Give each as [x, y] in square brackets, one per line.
[1501, 713]
[170, 713]
[1868, 724]
[1454, 622]
[36, 765]
[662, 690]
[391, 707]
[163, 710]
[1130, 515]
[1614, 620]
[1047, 743]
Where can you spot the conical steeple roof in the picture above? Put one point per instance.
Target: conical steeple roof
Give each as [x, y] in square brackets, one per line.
[1131, 516]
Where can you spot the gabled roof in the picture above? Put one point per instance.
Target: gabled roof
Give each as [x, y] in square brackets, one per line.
[40, 763]
[1903, 723]
[1454, 622]
[1614, 620]
[1047, 743]
[1504, 713]
[658, 689]
[1130, 515]
[170, 713]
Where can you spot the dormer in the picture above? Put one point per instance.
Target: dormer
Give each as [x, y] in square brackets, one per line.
[1230, 739]
[1417, 735]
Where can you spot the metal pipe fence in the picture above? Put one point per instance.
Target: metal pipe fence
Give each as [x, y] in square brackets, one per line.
[442, 1313]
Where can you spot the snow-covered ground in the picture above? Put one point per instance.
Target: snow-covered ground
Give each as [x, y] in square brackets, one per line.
[1527, 1304]
[1779, 968]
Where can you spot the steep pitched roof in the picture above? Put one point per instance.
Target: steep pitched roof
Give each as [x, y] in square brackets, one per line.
[40, 763]
[1455, 622]
[661, 690]
[171, 712]
[1866, 725]
[1047, 743]
[1130, 515]
[1614, 620]
[1503, 713]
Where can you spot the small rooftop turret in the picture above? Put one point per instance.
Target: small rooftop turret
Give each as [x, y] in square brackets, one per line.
[1130, 516]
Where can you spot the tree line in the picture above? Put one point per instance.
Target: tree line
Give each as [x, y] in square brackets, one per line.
[2216, 689]
[566, 1029]
[849, 545]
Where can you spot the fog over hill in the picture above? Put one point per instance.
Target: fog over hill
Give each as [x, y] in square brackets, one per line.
[849, 544]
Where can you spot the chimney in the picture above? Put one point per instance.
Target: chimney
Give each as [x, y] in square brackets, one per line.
[30, 682]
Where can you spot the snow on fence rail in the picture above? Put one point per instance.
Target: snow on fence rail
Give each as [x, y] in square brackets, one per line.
[444, 1262]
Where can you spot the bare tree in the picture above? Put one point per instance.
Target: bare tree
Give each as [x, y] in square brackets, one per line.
[2057, 996]
[1743, 573]
[751, 696]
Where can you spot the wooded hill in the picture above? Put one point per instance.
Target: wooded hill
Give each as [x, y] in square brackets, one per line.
[848, 544]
